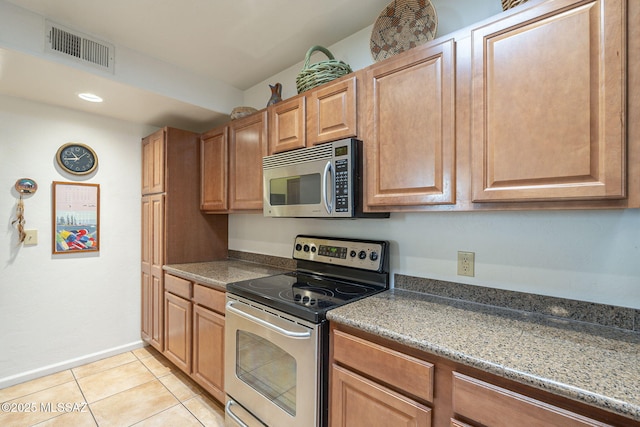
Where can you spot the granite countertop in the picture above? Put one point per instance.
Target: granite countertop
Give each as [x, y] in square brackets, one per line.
[218, 274]
[590, 363]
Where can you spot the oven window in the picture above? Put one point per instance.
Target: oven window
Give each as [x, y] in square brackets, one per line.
[295, 190]
[268, 369]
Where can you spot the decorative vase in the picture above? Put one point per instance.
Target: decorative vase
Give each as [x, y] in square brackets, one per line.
[276, 94]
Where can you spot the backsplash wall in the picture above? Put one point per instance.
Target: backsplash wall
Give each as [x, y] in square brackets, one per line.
[584, 255]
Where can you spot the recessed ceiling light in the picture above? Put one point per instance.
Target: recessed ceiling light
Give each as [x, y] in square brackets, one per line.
[90, 97]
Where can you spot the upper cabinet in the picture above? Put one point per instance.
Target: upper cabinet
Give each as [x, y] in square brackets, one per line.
[324, 114]
[231, 178]
[410, 128]
[287, 126]
[548, 104]
[332, 111]
[248, 144]
[214, 147]
[153, 163]
[536, 108]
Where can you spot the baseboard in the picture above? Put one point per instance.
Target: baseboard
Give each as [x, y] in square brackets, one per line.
[67, 364]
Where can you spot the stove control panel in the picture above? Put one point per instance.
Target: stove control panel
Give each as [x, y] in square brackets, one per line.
[362, 254]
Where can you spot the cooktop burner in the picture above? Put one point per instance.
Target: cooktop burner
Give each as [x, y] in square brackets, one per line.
[301, 294]
[331, 272]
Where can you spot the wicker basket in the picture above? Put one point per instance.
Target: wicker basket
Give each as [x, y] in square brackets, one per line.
[508, 4]
[313, 75]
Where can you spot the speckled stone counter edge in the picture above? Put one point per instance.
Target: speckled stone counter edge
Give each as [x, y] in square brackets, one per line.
[601, 314]
[274, 261]
[237, 267]
[360, 315]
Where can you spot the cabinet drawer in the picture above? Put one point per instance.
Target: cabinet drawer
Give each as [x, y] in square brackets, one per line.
[494, 406]
[359, 402]
[399, 370]
[177, 286]
[209, 297]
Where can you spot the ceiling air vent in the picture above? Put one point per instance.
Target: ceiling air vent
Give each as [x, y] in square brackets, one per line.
[80, 47]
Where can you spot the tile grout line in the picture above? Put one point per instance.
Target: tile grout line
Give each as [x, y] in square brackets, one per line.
[137, 359]
[179, 401]
[75, 378]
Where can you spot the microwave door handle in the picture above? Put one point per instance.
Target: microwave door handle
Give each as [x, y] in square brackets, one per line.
[325, 196]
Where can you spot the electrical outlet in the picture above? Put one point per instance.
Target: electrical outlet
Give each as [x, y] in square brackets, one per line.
[466, 262]
[31, 237]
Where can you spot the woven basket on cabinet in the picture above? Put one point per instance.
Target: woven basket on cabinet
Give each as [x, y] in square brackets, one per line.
[313, 75]
[508, 4]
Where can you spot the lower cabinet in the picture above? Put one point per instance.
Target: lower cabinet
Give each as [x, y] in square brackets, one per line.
[177, 331]
[372, 385]
[359, 402]
[487, 404]
[208, 350]
[378, 382]
[194, 332]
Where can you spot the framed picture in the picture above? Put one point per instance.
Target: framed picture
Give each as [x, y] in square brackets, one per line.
[76, 217]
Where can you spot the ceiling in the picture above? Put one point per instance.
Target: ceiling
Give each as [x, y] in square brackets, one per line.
[239, 43]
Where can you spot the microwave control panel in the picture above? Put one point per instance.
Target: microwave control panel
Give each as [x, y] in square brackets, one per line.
[342, 185]
[362, 254]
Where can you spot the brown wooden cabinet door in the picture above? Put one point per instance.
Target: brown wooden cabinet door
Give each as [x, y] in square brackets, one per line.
[151, 266]
[248, 145]
[146, 307]
[153, 163]
[332, 112]
[410, 136]
[208, 351]
[359, 402]
[287, 125]
[157, 313]
[177, 330]
[548, 104]
[214, 170]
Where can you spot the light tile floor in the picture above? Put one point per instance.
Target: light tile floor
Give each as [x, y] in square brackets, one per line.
[137, 388]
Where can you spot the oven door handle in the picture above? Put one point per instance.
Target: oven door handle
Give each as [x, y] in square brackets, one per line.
[234, 417]
[290, 334]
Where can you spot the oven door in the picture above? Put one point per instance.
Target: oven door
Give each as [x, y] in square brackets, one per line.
[272, 365]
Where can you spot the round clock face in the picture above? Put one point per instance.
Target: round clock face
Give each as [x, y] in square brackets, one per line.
[77, 159]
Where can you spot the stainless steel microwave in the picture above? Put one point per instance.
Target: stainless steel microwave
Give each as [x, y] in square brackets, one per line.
[324, 181]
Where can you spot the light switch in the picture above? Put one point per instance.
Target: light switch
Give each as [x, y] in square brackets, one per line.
[31, 237]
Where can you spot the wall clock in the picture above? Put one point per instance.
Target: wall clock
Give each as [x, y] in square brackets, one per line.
[76, 158]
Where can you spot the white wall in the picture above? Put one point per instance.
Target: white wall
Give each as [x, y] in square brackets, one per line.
[58, 311]
[585, 255]
[452, 15]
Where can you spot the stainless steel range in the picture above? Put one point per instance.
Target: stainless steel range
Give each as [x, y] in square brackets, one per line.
[277, 335]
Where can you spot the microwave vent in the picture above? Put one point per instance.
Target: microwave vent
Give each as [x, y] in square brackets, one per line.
[319, 152]
[79, 47]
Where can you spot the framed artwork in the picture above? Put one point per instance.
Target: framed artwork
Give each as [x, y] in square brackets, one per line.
[76, 217]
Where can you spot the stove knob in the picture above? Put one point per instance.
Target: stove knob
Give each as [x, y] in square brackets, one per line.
[306, 248]
[298, 247]
[353, 254]
[313, 249]
[373, 256]
[362, 255]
